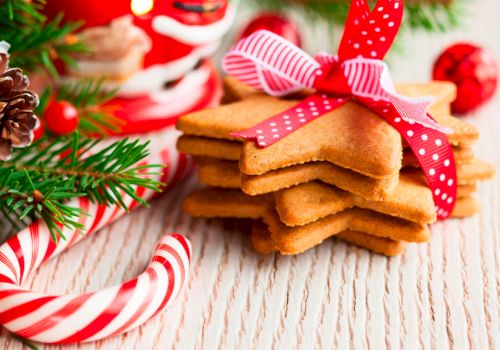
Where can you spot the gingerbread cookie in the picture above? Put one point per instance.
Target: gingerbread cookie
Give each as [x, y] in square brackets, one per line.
[462, 154]
[473, 171]
[214, 203]
[444, 92]
[226, 174]
[464, 191]
[466, 206]
[339, 175]
[305, 203]
[231, 150]
[264, 244]
[207, 147]
[342, 146]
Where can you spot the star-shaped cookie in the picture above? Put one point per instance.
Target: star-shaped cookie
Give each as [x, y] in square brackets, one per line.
[352, 136]
[263, 243]
[218, 203]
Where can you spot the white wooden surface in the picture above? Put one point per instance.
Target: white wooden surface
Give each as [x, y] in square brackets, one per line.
[445, 294]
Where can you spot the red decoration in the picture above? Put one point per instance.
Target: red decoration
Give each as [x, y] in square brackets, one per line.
[473, 69]
[267, 62]
[61, 117]
[276, 23]
[185, 11]
[165, 48]
[183, 33]
[127, 108]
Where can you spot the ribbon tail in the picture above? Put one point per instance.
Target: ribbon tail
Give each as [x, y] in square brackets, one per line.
[433, 152]
[370, 33]
[412, 110]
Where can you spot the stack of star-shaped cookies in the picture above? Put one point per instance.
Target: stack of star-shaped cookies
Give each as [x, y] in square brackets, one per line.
[346, 174]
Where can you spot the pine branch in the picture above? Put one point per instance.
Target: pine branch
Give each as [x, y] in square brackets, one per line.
[35, 41]
[38, 183]
[89, 96]
[24, 194]
[335, 12]
[432, 16]
[435, 17]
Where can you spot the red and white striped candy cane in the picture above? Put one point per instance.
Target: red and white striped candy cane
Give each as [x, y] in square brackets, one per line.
[108, 312]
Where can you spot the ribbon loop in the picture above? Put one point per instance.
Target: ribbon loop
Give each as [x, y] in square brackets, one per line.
[370, 34]
[270, 63]
[332, 80]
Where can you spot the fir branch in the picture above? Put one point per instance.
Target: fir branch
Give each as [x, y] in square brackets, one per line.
[335, 12]
[430, 16]
[89, 97]
[35, 41]
[435, 17]
[38, 183]
[25, 194]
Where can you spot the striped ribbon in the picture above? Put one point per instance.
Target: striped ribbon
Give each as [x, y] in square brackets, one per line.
[269, 63]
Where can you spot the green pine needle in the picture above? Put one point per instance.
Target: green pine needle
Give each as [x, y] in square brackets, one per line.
[35, 41]
[89, 96]
[433, 17]
[39, 182]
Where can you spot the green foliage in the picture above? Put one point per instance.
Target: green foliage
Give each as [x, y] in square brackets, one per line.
[430, 17]
[35, 41]
[88, 96]
[37, 182]
[335, 12]
[435, 17]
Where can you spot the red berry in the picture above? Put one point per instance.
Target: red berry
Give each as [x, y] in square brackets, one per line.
[275, 23]
[474, 71]
[61, 117]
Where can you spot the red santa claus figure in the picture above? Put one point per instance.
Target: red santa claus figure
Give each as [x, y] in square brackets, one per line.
[156, 52]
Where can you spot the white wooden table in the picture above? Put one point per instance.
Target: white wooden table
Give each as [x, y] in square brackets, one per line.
[445, 294]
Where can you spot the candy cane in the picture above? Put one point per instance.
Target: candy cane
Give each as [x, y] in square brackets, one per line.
[108, 312]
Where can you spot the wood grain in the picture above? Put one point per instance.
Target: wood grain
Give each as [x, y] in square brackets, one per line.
[445, 294]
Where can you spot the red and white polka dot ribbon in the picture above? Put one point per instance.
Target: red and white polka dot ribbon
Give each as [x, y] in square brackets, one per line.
[108, 312]
[268, 62]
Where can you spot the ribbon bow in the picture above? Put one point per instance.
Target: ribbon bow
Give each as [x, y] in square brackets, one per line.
[269, 63]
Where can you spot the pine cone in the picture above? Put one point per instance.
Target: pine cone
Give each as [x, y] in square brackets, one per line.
[17, 119]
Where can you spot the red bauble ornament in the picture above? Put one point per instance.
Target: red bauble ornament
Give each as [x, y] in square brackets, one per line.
[61, 117]
[473, 69]
[275, 23]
